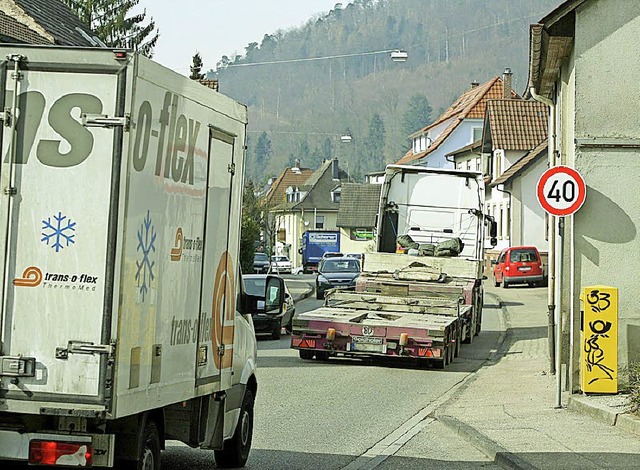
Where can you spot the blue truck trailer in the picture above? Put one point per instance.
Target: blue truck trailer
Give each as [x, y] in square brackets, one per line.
[314, 244]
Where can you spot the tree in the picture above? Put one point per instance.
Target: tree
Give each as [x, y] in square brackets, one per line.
[374, 146]
[418, 114]
[262, 152]
[250, 230]
[109, 20]
[196, 68]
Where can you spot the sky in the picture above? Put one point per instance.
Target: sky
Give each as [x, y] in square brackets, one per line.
[221, 27]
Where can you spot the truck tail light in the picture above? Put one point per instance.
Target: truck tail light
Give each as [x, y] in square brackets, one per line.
[404, 339]
[331, 334]
[77, 454]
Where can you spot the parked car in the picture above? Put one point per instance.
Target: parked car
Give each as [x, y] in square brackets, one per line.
[518, 265]
[254, 284]
[339, 272]
[260, 263]
[281, 264]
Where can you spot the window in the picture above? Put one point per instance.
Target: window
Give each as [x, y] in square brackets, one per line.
[335, 195]
[477, 134]
[478, 164]
[502, 225]
[468, 165]
[362, 234]
[507, 222]
[459, 165]
[282, 234]
[319, 222]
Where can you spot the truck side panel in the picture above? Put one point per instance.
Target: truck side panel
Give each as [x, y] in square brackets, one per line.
[179, 278]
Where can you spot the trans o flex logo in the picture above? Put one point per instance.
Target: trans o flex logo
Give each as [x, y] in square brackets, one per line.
[34, 277]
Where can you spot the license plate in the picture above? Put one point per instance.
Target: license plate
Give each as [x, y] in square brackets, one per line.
[366, 339]
[524, 268]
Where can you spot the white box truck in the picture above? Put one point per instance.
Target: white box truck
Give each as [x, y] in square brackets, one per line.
[123, 320]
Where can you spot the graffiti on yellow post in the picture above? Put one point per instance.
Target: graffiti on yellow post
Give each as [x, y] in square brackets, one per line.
[599, 363]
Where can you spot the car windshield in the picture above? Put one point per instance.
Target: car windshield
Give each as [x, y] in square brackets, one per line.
[279, 259]
[340, 266]
[260, 257]
[255, 286]
[522, 256]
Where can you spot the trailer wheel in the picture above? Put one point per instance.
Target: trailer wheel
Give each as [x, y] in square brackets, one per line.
[235, 451]
[305, 354]
[275, 334]
[148, 452]
[322, 355]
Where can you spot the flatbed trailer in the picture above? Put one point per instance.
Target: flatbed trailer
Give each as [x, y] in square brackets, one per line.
[418, 311]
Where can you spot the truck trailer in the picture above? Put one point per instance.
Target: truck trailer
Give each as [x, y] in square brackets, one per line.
[123, 320]
[316, 243]
[418, 302]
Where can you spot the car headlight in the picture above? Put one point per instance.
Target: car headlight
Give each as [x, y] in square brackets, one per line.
[323, 280]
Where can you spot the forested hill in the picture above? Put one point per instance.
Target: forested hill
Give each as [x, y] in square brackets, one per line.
[298, 108]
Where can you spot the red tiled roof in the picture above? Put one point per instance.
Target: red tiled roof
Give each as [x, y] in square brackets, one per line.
[471, 104]
[277, 192]
[517, 124]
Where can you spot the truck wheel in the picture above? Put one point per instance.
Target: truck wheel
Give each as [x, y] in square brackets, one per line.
[319, 294]
[235, 451]
[305, 354]
[148, 452]
[275, 334]
[322, 355]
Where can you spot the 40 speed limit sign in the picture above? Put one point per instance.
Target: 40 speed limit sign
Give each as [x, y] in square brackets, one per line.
[561, 191]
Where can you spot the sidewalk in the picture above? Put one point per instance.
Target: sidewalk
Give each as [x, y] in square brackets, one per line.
[507, 409]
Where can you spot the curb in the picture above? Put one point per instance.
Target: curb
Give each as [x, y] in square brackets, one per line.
[625, 421]
[484, 444]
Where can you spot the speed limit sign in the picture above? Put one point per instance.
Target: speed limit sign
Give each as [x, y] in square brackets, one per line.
[561, 191]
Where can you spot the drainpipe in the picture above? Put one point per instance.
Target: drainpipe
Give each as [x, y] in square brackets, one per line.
[553, 291]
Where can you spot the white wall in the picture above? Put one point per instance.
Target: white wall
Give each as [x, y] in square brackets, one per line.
[460, 137]
[533, 216]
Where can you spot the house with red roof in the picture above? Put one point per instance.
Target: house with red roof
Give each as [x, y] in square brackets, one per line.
[458, 126]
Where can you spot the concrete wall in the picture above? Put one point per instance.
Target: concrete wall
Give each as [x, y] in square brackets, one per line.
[602, 77]
[347, 245]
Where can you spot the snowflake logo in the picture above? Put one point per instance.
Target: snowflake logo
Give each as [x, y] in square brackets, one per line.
[60, 230]
[146, 245]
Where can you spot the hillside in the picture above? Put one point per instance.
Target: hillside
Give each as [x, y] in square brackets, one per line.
[301, 102]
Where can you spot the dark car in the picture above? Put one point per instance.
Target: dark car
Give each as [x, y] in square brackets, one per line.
[254, 284]
[260, 263]
[340, 273]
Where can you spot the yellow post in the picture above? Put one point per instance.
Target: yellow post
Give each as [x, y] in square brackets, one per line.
[599, 356]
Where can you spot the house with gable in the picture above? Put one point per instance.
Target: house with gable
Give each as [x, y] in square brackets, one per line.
[458, 126]
[512, 155]
[514, 145]
[311, 206]
[583, 62]
[43, 22]
[357, 217]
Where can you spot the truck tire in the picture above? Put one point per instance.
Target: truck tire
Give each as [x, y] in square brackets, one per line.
[275, 333]
[319, 295]
[148, 450]
[235, 451]
[305, 354]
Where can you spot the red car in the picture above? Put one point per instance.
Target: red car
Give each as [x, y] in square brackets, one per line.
[518, 265]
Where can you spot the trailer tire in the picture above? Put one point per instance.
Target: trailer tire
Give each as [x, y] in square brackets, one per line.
[148, 451]
[275, 334]
[322, 355]
[305, 354]
[235, 451]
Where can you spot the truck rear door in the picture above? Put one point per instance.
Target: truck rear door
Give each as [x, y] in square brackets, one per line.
[58, 203]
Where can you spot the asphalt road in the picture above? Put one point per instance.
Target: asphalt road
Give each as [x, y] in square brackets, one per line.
[350, 414]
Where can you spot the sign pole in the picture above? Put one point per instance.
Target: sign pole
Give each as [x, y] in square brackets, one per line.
[559, 314]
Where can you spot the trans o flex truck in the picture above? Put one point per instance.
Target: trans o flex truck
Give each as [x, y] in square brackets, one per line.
[420, 307]
[315, 243]
[122, 312]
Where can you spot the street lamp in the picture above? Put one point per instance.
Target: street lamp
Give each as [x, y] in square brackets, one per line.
[399, 55]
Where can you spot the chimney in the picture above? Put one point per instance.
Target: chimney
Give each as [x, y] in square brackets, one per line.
[506, 83]
[296, 166]
[335, 172]
[475, 84]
